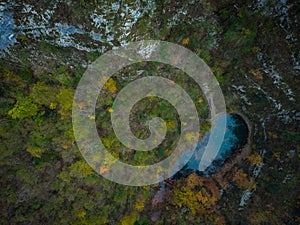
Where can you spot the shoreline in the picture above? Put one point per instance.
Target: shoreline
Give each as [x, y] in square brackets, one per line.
[238, 157]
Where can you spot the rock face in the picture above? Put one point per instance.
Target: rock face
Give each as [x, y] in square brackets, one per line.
[7, 26]
[58, 24]
[159, 197]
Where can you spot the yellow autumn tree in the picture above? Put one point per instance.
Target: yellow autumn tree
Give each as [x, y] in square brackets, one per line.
[186, 41]
[110, 86]
[193, 180]
[35, 151]
[185, 197]
[81, 213]
[140, 204]
[255, 159]
[128, 219]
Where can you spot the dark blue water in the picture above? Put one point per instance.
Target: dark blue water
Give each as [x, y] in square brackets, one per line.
[235, 138]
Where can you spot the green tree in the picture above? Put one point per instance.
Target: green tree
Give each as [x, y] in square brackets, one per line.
[65, 99]
[23, 108]
[44, 94]
[128, 219]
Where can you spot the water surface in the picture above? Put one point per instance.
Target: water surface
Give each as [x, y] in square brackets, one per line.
[235, 138]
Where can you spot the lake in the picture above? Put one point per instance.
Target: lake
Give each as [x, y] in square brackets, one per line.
[235, 138]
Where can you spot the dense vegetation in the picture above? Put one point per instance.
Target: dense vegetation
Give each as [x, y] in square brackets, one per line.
[45, 180]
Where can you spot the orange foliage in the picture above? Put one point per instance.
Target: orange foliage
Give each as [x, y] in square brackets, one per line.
[193, 180]
[241, 179]
[256, 74]
[103, 169]
[210, 185]
[201, 201]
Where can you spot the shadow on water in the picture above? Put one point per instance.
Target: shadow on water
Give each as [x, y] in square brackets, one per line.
[235, 139]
